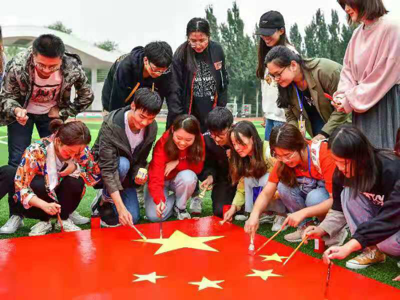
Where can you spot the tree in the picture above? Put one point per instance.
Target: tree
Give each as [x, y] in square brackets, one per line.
[310, 40]
[107, 45]
[334, 44]
[296, 39]
[59, 26]
[212, 20]
[321, 34]
[347, 33]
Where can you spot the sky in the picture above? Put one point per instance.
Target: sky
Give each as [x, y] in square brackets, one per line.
[133, 23]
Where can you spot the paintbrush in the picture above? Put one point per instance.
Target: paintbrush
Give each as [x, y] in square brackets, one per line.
[60, 222]
[137, 230]
[251, 246]
[161, 229]
[327, 96]
[295, 250]
[328, 277]
[270, 239]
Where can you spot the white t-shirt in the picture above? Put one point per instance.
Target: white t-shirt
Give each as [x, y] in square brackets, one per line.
[134, 138]
[45, 93]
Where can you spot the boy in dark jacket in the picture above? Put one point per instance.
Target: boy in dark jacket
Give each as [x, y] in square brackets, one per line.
[142, 67]
[216, 166]
[121, 149]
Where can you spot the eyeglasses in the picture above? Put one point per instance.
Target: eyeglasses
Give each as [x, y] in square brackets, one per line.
[286, 157]
[200, 42]
[157, 71]
[278, 76]
[43, 67]
[220, 135]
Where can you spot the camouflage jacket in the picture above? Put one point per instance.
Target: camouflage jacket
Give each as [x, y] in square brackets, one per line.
[17, 86]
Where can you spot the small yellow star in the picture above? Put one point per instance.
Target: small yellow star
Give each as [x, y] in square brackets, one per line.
[274, 257]
[205, 283]
[152, 277]
[179, 240]
[263, 274]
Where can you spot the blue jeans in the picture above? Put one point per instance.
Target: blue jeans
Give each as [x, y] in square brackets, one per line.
[358, 210]
[269, 124]
[19, 137]
[309, 192]
[182, 187]
[128, 195]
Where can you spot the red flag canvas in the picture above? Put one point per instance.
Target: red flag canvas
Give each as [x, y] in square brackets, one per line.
[197, 259]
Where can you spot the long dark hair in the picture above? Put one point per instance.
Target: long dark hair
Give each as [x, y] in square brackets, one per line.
[348, 142]
[287, 137]
[282, 56]
[185, 51]
[71, 133]
[370, 9]
[191, 125]
[249, 166]
[263, 50]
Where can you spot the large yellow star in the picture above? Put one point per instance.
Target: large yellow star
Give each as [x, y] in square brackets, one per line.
[206, 283]
[274, 257]
[263, 274]
[179, 240]
[152, 277]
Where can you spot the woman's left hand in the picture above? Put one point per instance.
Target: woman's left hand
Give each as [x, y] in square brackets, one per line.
[71, 167]
[397, 278]
[170, 166]
[294, 219]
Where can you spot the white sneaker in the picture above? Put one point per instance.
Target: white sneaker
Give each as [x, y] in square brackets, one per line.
[68, 226]
[78, 219]
[241, 217]
[278, 222]
[196, 205]
[266, 218]
[181, 214]
[40, 228]
[12, 225]
[104, 224]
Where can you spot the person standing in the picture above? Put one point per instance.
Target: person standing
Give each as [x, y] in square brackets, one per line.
[369, 84]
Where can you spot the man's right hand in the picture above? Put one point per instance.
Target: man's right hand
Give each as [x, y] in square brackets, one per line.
[125, 217]
[160, 209]
[21, 115]
[230, 213]
[207, 184]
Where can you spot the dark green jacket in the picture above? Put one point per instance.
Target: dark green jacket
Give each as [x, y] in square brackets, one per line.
[322, 76]
[112, 143]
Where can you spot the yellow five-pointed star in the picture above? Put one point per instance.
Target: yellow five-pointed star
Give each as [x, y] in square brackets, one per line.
[205, 283]
[152, 277]
[179, 240]
[274, 257]
[263, 274]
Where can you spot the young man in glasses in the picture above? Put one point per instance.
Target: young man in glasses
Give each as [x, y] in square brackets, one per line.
[36, 89]
[143, 67]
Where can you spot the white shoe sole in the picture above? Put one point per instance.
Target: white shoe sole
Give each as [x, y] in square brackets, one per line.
[355, 266]
[105, 225]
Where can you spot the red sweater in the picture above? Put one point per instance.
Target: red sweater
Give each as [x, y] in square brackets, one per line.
[158, 164]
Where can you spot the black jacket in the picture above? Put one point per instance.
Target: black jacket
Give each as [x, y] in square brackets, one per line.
[216, 163]
[112, 143]
[183, 78]
[123, 76]
[385, 194]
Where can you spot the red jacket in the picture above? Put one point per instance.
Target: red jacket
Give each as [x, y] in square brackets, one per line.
[158, 164]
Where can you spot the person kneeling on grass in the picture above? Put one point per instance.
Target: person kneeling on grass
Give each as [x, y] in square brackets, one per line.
[366, 196]
[51, 177]
[177, 157]
[122, 147]
[249, 164]
[215, 174]
[303, 177]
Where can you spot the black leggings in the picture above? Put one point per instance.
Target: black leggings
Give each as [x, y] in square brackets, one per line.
[68, 192]
[222, 194]
[7, 175]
